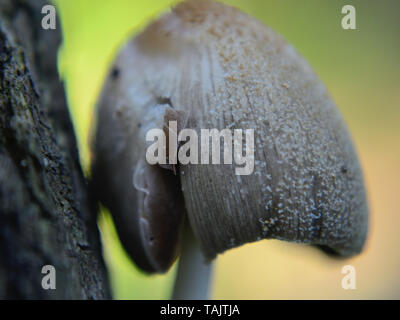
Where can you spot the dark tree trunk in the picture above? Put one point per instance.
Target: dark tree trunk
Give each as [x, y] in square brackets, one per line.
[46, 214]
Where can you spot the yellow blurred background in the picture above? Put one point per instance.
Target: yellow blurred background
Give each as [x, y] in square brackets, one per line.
[361, 70]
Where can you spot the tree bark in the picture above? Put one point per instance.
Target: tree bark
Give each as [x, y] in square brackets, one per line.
[47, 216]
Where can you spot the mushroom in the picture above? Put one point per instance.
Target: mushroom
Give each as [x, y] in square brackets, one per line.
[207, 65]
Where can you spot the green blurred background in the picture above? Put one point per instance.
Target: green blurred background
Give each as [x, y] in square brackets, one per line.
[361, 70]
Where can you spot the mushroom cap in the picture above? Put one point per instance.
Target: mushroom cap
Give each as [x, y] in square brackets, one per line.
[212, 66]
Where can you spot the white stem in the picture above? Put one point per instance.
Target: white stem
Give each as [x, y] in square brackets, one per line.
[193, 279]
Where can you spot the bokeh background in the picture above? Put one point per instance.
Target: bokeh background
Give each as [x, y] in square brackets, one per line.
[361, 70]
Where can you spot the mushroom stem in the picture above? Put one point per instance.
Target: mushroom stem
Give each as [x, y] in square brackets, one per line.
[193, 279]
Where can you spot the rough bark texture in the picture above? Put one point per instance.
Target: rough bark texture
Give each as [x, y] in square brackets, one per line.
[46, 214]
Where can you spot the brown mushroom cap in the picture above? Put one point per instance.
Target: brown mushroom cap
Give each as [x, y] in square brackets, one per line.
[219, 68]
